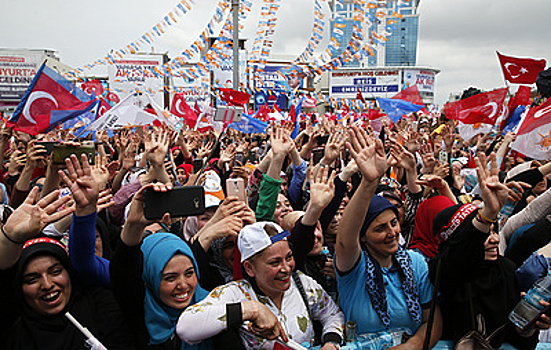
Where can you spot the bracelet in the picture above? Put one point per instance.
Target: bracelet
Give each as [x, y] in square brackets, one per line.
[8, 237]
[484, 219]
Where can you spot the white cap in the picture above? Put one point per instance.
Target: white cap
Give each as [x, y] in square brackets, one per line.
[211, 201]
[253, 238]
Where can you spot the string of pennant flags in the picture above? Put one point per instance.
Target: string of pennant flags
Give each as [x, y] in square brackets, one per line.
[367, 15]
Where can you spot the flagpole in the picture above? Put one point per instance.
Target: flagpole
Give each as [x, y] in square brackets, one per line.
[235, 10]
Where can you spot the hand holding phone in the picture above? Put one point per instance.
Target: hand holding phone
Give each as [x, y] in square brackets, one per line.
[179, 202]
[236, 187]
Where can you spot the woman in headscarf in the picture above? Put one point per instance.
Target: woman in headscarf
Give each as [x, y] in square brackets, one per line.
[384, 288]
[475, 280]
[154, 281]
[423, 240]
[39, 286]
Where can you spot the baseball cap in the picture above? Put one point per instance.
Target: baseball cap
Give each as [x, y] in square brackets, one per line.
[211, 201]
[253, 238]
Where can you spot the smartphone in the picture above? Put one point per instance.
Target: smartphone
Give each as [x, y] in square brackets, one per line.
[48, 145]
[317, 155]
[414, 125]
[60, 152]
[443, 156]
[322, 140]
[236, 187]
[179, 202]
[229, 114]
[197, 165]
[239, 157]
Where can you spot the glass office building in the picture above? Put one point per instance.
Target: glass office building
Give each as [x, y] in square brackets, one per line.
[401, 47]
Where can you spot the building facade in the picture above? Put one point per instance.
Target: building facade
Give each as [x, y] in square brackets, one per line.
[401, 47]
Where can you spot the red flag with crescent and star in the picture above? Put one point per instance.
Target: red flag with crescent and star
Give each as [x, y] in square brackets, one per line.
[181, 109]
[520, 70]
[482, 108]
[234, 97]
[49, 101]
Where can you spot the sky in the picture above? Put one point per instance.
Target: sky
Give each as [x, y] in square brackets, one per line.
[459, 37]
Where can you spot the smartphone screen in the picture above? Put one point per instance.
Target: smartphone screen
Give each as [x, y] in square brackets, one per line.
[197, 165]
[317, 155]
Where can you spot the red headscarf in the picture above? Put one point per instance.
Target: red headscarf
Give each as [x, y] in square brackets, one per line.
[423, 237]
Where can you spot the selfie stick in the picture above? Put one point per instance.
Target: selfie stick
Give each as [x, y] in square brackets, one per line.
[90, 339]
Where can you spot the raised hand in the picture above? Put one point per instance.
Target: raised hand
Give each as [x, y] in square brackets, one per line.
[322, 188]
[156, 146]
[427, 155]
[100, 173]
[30, 218]
[494, 193]
[401, 157]
[332, 148]
[281, 142]
[368, 153]
[83, 186]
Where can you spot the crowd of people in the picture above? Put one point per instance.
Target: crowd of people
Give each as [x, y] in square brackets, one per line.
[339, 227]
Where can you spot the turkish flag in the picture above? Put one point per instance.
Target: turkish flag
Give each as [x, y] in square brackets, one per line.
[181, 109]
[521, 98]
[234, 97]
[48, 92]
[482, 108]
[520, 70]
[92, 86]
[534, 135]
[536, 117]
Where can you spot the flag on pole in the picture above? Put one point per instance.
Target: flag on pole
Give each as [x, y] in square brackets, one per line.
[181, 109]
[482, 108]
[126, 113]
[48, 92]
[520, 70]
[534, 134]
[234, 97]
[396, 109]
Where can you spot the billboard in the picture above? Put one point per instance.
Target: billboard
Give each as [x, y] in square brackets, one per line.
[196, 91]
[424, 79]
[371, 82]
[223, 76]
[17, 70]
[133, 72]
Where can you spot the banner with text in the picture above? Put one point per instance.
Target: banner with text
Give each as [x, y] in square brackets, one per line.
[424, 79]
[134, 73]
[371, 83]
[17, 70]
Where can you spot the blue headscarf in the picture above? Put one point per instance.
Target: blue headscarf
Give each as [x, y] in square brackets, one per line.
[161, 319]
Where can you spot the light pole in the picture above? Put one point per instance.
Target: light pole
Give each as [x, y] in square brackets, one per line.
[235, 9]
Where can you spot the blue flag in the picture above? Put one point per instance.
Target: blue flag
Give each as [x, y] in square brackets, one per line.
[396, 109]
[513, 122]
[249, 125]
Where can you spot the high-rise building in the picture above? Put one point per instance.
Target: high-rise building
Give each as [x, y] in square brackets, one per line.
[401, 47]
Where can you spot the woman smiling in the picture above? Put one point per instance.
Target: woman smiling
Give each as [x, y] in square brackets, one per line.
[268, 304]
